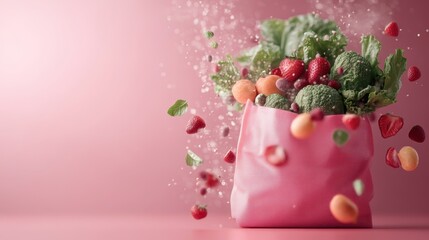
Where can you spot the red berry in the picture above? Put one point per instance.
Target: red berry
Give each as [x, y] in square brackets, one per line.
[340, 71]
[391, 29]
[317, 68]
[276, 71]
[301, 83]
[217, 68]
[414, 73]
[417, 134]
[334, 84]
[275, 155]
[211, 180]
[392, 158]
[292, 69]
[244, 72]
[195, 124]
[203, 191]
[294, 107]
[198, 212]
[317, 114]
[390, 125]
[351, 121]
[229, 157]
[224, 131]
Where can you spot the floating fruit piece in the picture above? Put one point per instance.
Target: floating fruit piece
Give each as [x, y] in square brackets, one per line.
[302, 126]
[294, 107]
[390, 125]
[195, 124]
[229, 157]
[291, 68]
[344, 209]
[210, 179]
[244, 72]
[391, 29]
[203, 191]
[351, 121]
[417, 134]
[317, 114]
[275, 155]
[340, 137]
[209, 34]
[198, 211]
[217, 68]
[267, 85]
[409, 158]
[317, 68]
[214, 44]
[414, 73]
[224, 131]
[276, 71]
[244, 90]
[358, 186]
[392, 158]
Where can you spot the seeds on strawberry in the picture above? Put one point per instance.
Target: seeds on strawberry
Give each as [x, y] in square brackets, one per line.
[229, 157]
[318, 68]
[292, 69]
[351, 121]
[317, 114]
[417, 134]
[414, 73]
[198, 212]
[391, 29]
[392, 158]
[276, 71]
[195, 124]
[390, 125]
[275, 155]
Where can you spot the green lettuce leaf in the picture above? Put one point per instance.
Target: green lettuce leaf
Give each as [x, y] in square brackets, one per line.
[394, 67]
[370, 49]
[329, 46]
[178, 108]
[272, 30]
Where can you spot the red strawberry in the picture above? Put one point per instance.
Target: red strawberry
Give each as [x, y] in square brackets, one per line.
[211, 180]
[391, 29]
[351, 121]
[390, 125]
[195, 124]
[275, 155]
[276, 71]
[392, 158]
[292, 69]
[414, 73]
[334, 84]
[198, 212]
[317, 68]
[417, 134]
[229, 157]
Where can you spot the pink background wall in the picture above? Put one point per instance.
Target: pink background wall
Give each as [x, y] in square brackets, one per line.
[84, 88]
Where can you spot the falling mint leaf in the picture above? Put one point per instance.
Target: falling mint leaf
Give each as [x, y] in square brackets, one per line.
[340, 137]
[192, 159]
[358, 186]
[209, 34]
[178, 108]
[214, 44]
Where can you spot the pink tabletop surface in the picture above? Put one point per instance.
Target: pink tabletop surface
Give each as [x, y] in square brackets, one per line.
[184, 227]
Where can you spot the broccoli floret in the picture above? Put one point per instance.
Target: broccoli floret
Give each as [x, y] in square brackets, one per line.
[320, 96]
[277, 101]
[357, 71]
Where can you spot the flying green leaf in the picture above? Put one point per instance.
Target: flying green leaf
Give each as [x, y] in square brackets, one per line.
[192, 159]
[358, 186]
[178, 108]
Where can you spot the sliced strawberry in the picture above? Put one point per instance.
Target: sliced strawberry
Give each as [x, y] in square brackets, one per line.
[392, 158]
[351, 121]
[390, 125]
[276, 71]
[414, 73]
[292, 69]
[275, 155]
[391, 29]
[229, 157]
[195, 124]
[198, 211]
[318, 68]
[417, 134]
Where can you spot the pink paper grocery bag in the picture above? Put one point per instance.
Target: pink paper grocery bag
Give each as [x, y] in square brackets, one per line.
[298, 193]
